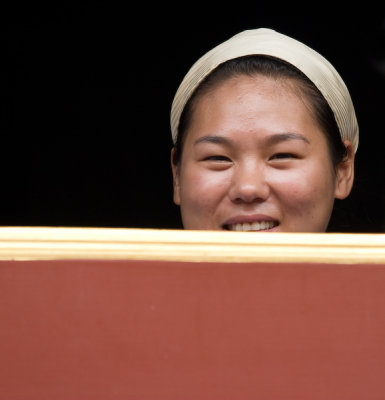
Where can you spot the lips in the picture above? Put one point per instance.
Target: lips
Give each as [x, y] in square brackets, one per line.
[246, 223]
[253, 226]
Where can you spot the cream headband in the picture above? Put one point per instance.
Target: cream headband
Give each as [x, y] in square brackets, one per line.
[269, 42]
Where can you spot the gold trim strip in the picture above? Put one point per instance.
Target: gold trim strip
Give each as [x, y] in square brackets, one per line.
[54, 243]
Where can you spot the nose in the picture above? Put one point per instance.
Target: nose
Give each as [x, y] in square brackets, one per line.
[249, 183]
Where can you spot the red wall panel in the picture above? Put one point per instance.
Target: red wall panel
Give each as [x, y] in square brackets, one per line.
[100, 330]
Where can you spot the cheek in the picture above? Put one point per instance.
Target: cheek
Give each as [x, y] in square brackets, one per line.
[201, 197]
[202, 187]
[308, 189]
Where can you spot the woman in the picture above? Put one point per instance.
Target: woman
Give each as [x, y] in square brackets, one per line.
[264, 134]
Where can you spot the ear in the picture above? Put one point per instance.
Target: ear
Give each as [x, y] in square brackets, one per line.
[345, 173]
[175, 177]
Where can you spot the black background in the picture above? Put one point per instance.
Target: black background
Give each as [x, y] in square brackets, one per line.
[86, 91]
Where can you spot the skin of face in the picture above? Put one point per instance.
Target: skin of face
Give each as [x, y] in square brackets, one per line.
[255, 158]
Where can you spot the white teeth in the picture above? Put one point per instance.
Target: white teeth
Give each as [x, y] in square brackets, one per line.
[254, 226]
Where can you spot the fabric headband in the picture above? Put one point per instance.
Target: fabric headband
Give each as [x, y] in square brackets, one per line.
[264, 41]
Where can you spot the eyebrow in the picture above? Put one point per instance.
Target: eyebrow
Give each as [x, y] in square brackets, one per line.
[213, 139]
[282, 137]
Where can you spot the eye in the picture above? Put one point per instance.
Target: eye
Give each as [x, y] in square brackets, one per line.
[217, 162]
[217, 158]
[283, 156]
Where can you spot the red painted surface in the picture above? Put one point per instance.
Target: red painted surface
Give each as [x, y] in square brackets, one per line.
[101, 330]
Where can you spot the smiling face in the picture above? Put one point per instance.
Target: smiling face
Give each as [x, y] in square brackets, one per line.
[254, 158]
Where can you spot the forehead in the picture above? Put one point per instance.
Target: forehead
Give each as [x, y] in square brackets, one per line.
[248, 100]
[257, 83]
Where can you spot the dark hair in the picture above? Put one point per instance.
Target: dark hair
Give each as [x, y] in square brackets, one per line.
[271, 67]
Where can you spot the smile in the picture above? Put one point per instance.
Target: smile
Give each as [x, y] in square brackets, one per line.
[251, 226]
